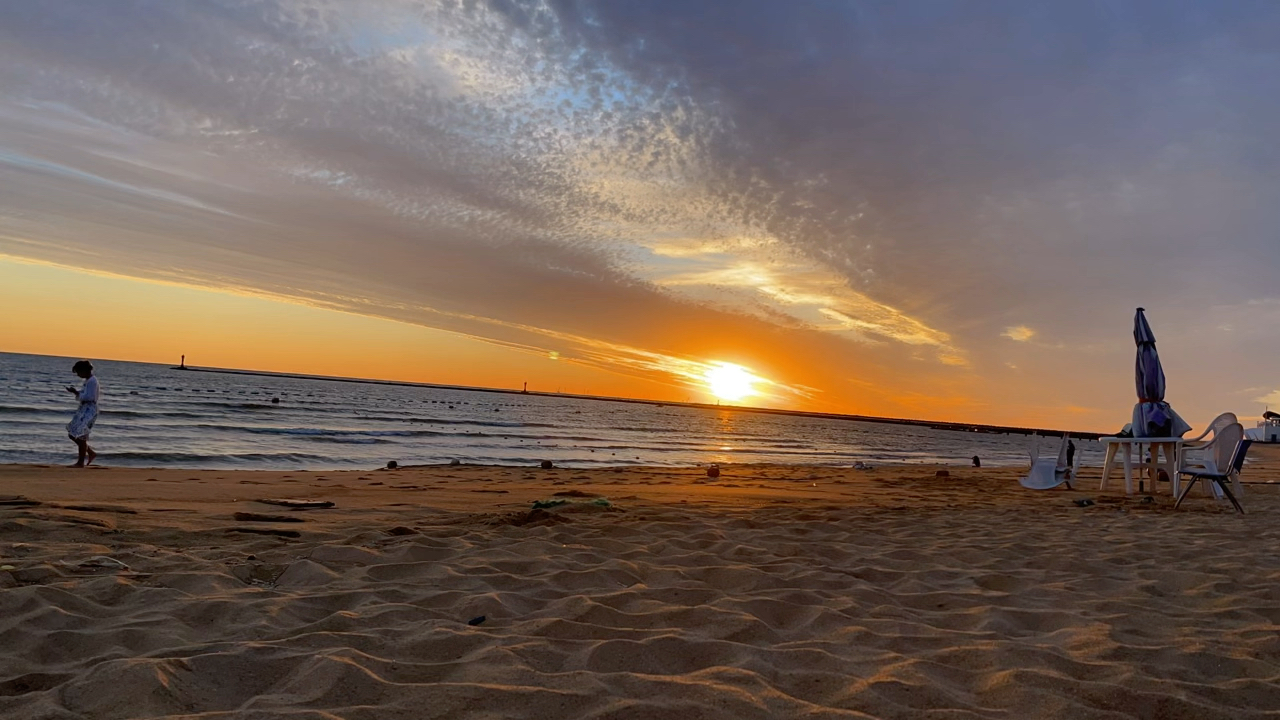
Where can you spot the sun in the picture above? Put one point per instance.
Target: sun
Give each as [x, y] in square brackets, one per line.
[729, 382]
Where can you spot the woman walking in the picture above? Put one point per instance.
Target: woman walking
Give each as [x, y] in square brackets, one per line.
[82, 422]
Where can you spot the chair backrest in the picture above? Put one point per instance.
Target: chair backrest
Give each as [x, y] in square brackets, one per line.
[1222, 421]
[1237, 460]
[1213, 428]
[1034, 452]
[1225, 446]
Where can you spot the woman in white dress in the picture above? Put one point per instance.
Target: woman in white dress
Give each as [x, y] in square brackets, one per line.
[82, 422]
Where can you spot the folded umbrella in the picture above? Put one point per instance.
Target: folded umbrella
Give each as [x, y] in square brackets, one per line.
[1152, 416]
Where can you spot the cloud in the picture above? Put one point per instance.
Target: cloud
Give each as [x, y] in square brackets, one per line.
[1018, 333]
[807, 293]
[856, 184]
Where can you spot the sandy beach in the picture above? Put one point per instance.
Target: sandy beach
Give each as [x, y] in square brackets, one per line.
[769, 592]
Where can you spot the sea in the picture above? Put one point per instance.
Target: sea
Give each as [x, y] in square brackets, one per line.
[158, 416]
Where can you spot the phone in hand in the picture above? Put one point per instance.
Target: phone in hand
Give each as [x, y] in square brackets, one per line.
[72, 389]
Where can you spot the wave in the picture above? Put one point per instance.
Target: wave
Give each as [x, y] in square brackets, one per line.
[317, 432]
[152, 414]
[104, 412]
[182, 404]
[344, 439]
[356, 414]
[479, 423]
[656, 430]
[30, 410]
[235, 405]
[175, 458]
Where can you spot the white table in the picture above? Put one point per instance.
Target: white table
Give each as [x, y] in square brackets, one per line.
[1170, 448]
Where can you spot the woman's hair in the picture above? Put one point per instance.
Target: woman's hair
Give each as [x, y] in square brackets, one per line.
[82, 365]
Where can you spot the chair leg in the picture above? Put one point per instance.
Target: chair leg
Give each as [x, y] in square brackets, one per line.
[1186, 491]
[1226, 489]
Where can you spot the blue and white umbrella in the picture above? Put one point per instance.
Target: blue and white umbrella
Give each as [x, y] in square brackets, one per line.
[1152, 416]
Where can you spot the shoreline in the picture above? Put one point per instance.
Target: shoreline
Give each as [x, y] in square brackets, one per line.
[959, 464]
[1262, 468]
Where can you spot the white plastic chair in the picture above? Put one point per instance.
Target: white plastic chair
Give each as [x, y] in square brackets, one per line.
[1047, 473]
[1196, 450]
[1220, 463]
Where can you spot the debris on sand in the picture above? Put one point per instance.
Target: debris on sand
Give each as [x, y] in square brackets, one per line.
[97, 562]
[266, 531]
[259, 517]
[559, 502]
[300, 504]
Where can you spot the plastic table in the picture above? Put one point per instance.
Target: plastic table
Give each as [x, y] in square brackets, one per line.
[1121, 451]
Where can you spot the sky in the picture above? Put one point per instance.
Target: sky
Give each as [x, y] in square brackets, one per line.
[942, 210]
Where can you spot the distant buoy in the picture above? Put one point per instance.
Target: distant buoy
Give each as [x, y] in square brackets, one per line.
[547, 465]
[713, 471]
[275, 401]
[392, 464]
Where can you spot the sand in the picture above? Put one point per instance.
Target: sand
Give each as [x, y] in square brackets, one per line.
[771, 592]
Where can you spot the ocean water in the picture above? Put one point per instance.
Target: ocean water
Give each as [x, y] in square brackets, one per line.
[155, 416]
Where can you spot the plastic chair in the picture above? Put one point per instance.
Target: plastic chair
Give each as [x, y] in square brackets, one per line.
[1230, 465]
[1197, 450]
[1048, 473]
